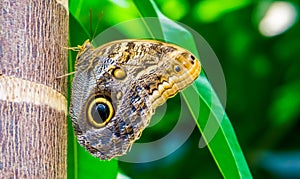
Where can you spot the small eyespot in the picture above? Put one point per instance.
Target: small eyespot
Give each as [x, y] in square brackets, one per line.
[119, 73]
[192, 57]
[177, 68]
[99, 111]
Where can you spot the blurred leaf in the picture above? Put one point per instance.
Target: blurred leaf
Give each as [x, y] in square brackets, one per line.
[181, 8]
[286, 104]
[209, 11]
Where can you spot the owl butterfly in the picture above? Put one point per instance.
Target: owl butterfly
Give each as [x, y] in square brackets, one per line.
[118, 86]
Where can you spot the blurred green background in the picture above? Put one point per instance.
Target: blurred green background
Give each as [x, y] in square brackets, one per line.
[258, 46]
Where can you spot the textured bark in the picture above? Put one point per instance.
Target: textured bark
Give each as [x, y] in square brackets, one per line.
[33, 124]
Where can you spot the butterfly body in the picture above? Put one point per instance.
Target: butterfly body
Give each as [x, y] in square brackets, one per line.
[118, 86]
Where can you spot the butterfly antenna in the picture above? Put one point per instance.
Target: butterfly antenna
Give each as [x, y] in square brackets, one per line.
[91, 22]
[97, 25]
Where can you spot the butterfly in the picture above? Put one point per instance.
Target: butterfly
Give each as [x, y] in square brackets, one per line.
[117, 87]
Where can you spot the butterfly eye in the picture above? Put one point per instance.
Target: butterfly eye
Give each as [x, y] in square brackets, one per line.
[99, 111]
[119, 73]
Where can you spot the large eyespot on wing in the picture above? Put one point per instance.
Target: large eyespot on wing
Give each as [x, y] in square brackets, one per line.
[99, 110]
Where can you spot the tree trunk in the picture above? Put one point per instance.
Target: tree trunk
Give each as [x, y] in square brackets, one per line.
[33, 107]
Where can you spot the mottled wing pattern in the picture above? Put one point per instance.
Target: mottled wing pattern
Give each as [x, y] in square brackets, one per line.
[117, 87]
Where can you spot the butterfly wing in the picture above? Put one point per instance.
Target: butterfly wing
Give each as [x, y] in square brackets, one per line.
[118, 86]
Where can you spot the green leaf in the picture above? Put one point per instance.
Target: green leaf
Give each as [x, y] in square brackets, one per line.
[209, 11]
[229, 157]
